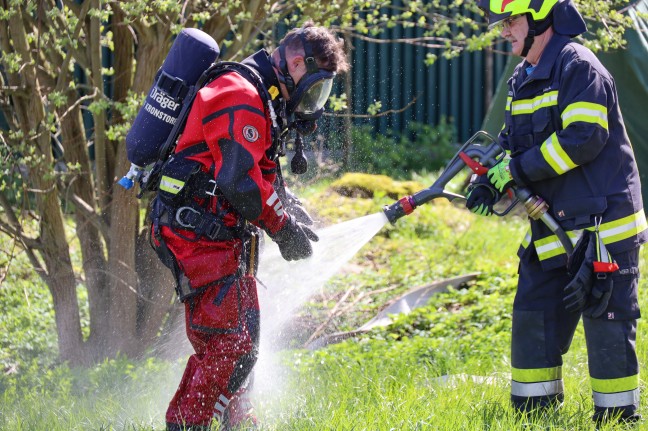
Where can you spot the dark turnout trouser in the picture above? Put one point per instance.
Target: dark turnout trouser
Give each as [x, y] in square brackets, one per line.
[543, 331]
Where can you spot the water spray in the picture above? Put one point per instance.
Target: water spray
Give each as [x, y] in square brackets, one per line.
[479, 153]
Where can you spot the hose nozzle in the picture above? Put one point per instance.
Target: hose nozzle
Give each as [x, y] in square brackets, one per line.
[402, 207]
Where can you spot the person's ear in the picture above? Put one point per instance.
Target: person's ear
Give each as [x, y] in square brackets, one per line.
[296, 61]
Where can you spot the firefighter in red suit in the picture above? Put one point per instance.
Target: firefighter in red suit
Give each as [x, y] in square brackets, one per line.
[222, 185]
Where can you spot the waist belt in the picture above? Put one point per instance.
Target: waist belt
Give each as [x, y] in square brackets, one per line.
[193, 218]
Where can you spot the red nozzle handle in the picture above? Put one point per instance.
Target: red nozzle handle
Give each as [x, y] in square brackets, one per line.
[476, 167]
[408, 205]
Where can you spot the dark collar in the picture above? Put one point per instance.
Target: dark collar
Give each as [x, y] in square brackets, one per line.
[260, 61]
[548, 58]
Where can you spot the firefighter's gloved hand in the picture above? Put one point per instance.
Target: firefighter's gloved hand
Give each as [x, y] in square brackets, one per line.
[294, 207]
[481, 198]
[294, 240]
[580, 266]
[500, 175]
[599, 297]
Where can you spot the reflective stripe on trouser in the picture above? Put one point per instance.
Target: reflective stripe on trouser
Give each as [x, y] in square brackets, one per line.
[543, 331]
[540, 382]
[614, 375]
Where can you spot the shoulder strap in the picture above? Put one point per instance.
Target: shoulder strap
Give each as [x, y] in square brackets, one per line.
[214, 71]
[245, 71]
[255, 79]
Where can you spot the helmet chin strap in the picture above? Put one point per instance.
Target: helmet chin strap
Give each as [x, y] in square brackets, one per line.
[536, 28]
[528, 40]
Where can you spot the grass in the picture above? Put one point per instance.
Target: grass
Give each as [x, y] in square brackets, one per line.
[442, 367]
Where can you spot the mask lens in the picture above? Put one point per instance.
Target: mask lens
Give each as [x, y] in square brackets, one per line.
[315, 97]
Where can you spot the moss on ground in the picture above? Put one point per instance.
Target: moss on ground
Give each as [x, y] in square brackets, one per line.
[359, 185]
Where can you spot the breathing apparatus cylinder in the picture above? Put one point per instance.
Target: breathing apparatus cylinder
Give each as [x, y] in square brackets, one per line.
[191, 54]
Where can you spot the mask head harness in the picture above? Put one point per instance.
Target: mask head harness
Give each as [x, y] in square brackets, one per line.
[307, 98]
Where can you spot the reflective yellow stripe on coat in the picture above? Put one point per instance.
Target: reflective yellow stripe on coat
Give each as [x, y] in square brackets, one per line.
[586, 112]
[610, 232]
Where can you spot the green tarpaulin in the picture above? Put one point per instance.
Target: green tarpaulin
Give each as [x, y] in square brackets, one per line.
[629, 67]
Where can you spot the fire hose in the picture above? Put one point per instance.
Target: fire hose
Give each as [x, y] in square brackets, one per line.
[479, 158]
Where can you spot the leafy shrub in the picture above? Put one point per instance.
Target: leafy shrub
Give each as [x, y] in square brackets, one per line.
[26, 315]
[421, 148]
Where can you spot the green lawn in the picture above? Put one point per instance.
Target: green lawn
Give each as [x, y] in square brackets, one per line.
[442, 367]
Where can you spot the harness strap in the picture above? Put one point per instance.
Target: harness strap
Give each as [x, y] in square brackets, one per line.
[174, 87]
[194, 218]
[183, 286]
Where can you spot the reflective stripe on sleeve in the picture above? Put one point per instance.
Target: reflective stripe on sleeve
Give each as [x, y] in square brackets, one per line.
[527, 239]
[586, 112]
[555, 155]
[529, 106]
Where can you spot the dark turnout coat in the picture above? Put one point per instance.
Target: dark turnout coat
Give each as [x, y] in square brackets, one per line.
[568, 144]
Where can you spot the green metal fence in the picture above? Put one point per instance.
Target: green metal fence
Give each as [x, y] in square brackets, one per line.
[458, 89]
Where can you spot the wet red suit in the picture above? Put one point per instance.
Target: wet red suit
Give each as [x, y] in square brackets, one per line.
[222, 320]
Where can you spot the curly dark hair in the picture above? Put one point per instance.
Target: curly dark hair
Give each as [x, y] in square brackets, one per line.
[328, 49]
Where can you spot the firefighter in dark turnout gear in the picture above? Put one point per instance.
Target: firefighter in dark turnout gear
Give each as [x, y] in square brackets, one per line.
[566, 141]
[220, 186]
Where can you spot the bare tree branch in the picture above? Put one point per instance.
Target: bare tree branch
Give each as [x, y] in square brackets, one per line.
[28, 244]
[71, 53]
[380, 114]
[90, 214]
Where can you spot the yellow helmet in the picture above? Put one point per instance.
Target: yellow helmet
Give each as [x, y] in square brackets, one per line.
[498, 10]
[562, 15]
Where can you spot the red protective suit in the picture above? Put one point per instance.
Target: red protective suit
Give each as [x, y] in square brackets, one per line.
[222, 320]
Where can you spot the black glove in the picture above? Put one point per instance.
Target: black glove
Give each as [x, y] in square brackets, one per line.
[600, 296]
[588, 291]
[481, 197]
[294, 240]
[579, 265]
[295, 208]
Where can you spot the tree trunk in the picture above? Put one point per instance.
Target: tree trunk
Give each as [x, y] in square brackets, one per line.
[157, 292]
[94, 263]
[101, 156]
[30, 111]
[123, 280]
[62, 283]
